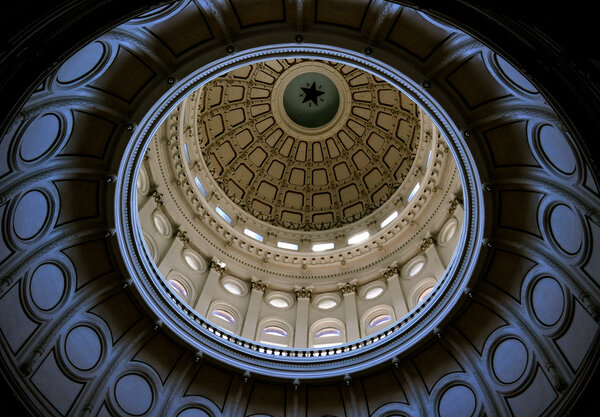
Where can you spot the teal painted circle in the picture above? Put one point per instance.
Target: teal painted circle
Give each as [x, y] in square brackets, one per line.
[134, 394]
[39, 137]
[83, 348]
[457, 401]
[311, 100]
[48, 284]
[510, 360]
[31, 214]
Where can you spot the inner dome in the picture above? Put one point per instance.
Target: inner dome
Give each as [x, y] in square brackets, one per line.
[271, 162]
[303, 225]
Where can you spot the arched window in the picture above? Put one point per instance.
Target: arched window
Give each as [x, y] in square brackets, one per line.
[373, 293]
[279, 303]
[413, 267]
[421, 291]
[194, 260]
[371, 290]
[143, 184]
[327, 301]
[233, 285]
[181, 285]
[424, 295]
[151, 246]
[376, 319]
[232, 288]
[224, 315]
[380, 320]
[448, 231]
[326, 333]
[179, 288]
[274, 332]
[161, 224]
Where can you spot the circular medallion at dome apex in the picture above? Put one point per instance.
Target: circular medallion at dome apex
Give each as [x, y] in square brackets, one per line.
[302, 119]
[311, 99]
[289, 162]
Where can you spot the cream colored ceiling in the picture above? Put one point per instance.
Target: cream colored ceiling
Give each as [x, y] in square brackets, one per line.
[306, 181]
[193, 212]
[176, 163]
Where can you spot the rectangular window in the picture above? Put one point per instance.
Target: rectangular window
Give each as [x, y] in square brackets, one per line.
[200, 187]
[253, 235]
[414, 191]
[187, 154]
[322, 246]
[361, 237]
[389, 219]
[285, 245]
[223, 214]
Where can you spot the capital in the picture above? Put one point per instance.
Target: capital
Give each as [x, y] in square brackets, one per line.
[427, 242]
[259, 286]
[348, 288]
[303, 293]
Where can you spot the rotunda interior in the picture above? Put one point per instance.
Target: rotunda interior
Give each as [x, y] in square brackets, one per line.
[318, 208]
[248, 213]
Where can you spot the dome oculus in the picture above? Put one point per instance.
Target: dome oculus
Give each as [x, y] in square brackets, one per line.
[311, 100]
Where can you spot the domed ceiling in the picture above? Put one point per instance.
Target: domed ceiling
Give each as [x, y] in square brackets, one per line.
[282, 190]
[306, 145]
[299, 168]
[89, 327]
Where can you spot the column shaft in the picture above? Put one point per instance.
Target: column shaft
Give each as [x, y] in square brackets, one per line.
[212, 280]
[301, 331]
[174, 249]
[252, 314]
[400, 308]
[352, 328]
[434, 262]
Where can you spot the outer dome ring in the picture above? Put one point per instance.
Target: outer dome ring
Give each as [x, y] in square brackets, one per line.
[245, 354]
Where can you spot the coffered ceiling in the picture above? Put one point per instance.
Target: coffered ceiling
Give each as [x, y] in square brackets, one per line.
[306, 178]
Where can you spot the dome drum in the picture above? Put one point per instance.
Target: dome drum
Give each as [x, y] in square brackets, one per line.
[431, 164]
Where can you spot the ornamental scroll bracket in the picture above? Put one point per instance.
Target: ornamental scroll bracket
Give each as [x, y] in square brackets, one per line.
[182, 235]
[158, 197]
[391, 271]
[218, 266]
